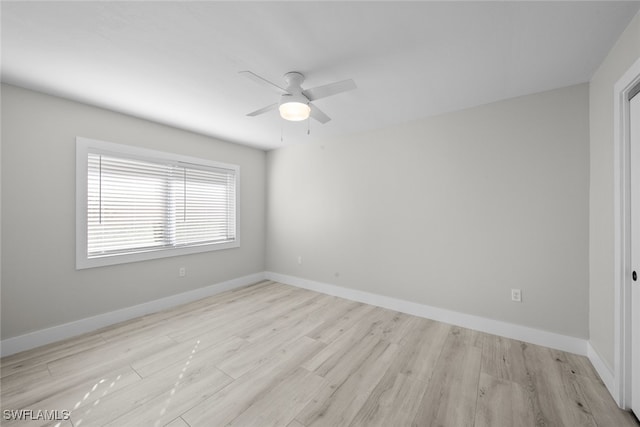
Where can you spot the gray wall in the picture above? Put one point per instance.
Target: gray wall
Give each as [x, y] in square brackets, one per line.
[601, 223]
[40, 286]
[451, 211]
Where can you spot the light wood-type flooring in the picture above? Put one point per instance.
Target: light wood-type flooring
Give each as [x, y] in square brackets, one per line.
[275, 355]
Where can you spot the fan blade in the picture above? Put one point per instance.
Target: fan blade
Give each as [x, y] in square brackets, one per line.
[256, 78]
[318, 114]
[263, 110]
[329, 90]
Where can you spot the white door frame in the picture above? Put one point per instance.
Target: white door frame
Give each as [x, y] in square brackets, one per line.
[622, 239]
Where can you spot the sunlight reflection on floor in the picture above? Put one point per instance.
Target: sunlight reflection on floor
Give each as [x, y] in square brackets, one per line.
[96, 402]
[175, 386]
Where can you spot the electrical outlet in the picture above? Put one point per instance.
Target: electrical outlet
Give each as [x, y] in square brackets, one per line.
[516, 295]
[182, 272]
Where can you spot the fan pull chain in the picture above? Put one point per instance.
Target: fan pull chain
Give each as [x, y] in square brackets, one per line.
[309, 125]
[281, 132]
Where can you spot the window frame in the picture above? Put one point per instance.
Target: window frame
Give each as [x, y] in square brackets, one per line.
[86, 145]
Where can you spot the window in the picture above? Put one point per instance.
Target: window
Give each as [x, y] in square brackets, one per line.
[134, 204]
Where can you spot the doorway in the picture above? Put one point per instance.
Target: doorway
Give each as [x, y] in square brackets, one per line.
[626, 382]
[634, 150]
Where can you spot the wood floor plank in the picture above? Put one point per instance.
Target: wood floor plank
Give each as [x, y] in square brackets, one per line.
[108, 356]
[209, 344]
[259, 352]
[308, 308]
[239, 315]
[404, 383]
[352, 346]
[28, 360]
[74, 393]
[341, 398]
[237, 397]
[191, 388]
[274, 355]
[502, 403]
[335, 309]
[599, 403]
[574, 364]
[178, 422]
[283, 402]
[450, 398]
[561, 403]
[17, 386]
[333, 329]
[342, 364]
[393, 402]
[501, 360]
[187, 325]
[144, 398]
[421, 348]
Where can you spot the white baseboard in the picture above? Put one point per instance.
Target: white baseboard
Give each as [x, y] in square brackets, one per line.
[523, 333]
[496, 327]
[606, 375]
[77, 327]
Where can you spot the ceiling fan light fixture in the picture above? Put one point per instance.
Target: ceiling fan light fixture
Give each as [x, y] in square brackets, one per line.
[294, 111]
[296, 103]
[294, 108]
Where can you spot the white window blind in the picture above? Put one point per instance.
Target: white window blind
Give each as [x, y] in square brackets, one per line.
[140, 204]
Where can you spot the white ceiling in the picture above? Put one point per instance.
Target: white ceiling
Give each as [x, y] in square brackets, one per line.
[178, 62]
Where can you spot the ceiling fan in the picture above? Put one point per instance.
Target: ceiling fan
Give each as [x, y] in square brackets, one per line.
[295, 102]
